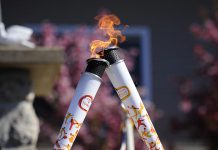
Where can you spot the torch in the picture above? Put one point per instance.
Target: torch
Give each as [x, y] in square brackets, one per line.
[86, 90]
[128, 94]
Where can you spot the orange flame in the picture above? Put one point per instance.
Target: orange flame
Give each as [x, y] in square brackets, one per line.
[106, 24]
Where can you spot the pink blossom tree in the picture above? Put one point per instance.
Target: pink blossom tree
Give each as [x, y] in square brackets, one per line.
[199, 92]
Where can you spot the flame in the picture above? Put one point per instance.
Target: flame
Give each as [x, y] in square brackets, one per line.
[106, 24]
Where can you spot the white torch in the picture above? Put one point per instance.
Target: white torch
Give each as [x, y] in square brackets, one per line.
[86, 90]
[127, 92]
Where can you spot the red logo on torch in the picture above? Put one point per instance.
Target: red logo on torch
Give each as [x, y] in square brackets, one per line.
[85, 102]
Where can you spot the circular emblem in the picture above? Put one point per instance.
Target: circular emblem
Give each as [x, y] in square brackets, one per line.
[85, 102]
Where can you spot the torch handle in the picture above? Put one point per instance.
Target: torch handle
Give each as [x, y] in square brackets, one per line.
[128, 94]
[77, 111]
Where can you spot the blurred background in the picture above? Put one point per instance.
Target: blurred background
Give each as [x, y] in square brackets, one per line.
[170, 50]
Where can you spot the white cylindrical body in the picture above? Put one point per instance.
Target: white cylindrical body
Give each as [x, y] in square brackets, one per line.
[129, 134]
[84, 95]
[127, 92]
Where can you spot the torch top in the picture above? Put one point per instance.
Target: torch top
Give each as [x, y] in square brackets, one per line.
[97, 66]
[110, 48]
[110, 54]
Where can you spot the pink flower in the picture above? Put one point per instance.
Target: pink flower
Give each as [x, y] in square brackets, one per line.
[203, 54]
[186, 105]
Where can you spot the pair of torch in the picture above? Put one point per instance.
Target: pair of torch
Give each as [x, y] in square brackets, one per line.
[86, 90]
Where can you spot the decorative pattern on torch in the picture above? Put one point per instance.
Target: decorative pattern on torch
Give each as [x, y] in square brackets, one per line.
[145, 127]
[64, 137]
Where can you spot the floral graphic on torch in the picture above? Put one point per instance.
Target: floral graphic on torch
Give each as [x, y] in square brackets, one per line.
[141, 123]
[141, 108]
[67, 117]
[135, 109]
[149, 120]
[153, 131]
[61, 137]
[74, 122]
[73, 136]
[62, 133]
[67, 146]
[154, 146]
[158, 141]
[146, 133]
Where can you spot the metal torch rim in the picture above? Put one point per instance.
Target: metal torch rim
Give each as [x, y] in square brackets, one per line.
[98, 59]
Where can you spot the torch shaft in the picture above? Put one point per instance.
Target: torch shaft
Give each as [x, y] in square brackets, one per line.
[85, 92]
[130, 134]
[127, 92]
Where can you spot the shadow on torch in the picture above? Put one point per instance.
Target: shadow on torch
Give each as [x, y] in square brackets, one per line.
[127, 92]
[86, 90]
